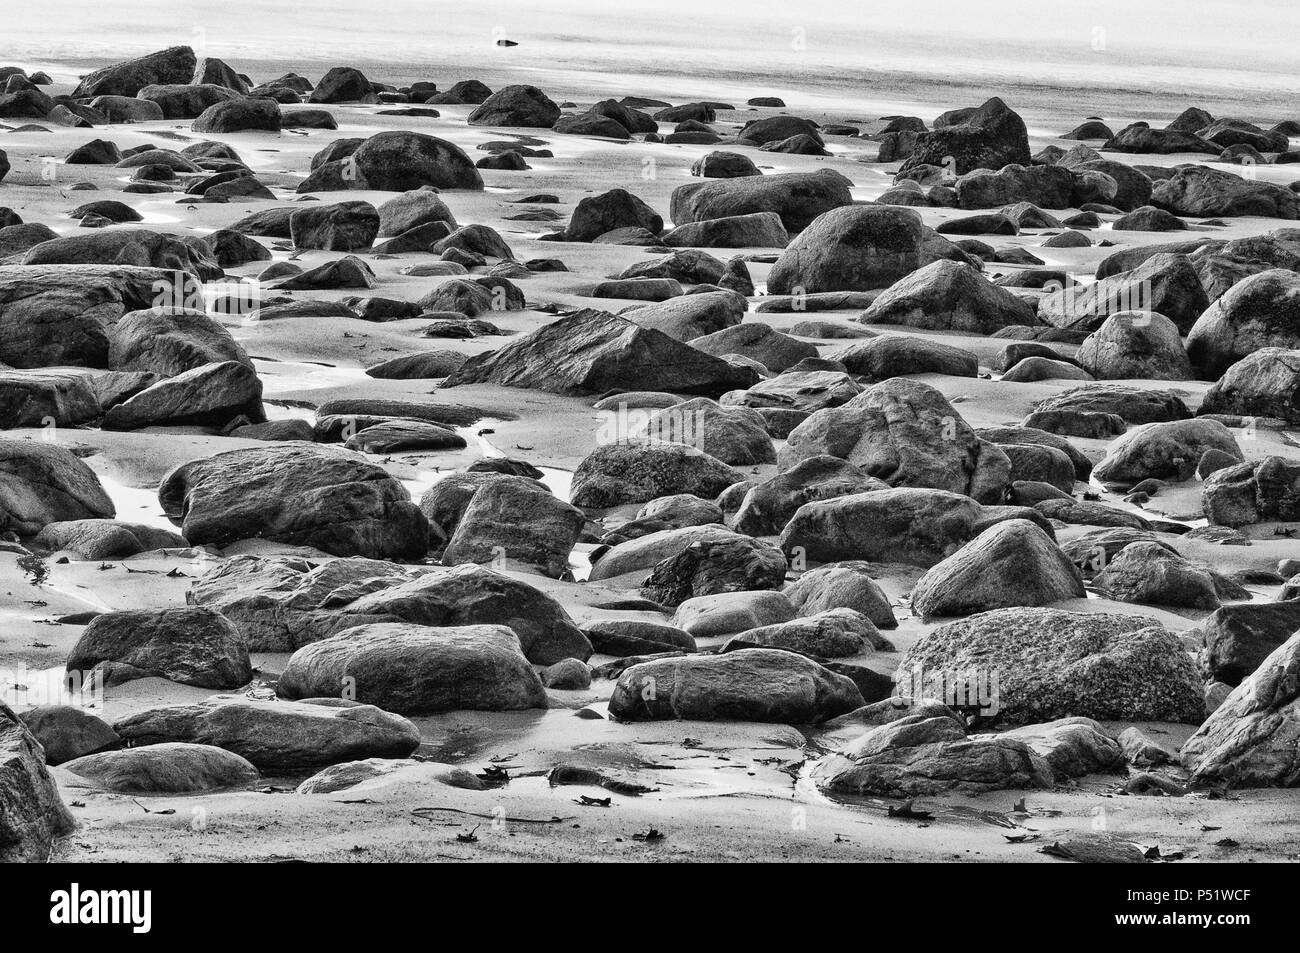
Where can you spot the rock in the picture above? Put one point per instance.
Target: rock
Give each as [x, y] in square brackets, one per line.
[1141, 752]
[122, 109]
[41, 399]
[1072, 747]
[1253, 492]
[595, 215]
[1140, 138]
[173, 65]
[764, 685]
[209, 396]
[412, 209]
[186, 101]
[516, 106]
[844, 586]
[614, 474]
[903, 432]
[567, 676]
[1013, 563]
[1136, 345]
[1163, 450]
[1077, 423]
[925, 753]
[889, 356]
[731, 612]
[836, 633]
[735, 436]
[343, 227]
[1258, 312]
[1050, 663]
[1132, 404]
[32, 814]
[168, 768]
[711, 567]
[193, 646]
[993, 224]
[724, 165]
[592, 352]
[623, 637]
[128, 246]
[798, 392]
[1249, 740]
[755, 230]
[768, 507]
[1164, 284]
[798, 197]
[1085, 513]
[857, 248]
[1266, 384]
[67, 732]
[1032, 369]
[393, 435]
[343, 84]
[415, 669]
[1148, 219]
[1148, 574]
[394, 161]
[346, 272]
[757, 341]
[516, 519]
[1046, 186]
[427, 365]
[18, 238]
[690, 317]
[95, 152]
[376, 772]
[1198, 190]
[949, 296]
[330, 499]
[41, 483]
[643, 553]
[101, 539]
[1238, 638]
[988, 137]
[240, 115]
[276, 736]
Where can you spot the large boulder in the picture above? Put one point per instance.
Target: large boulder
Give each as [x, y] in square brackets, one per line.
[1261, 311]
[239, 115]
[212, 395]
[841, 586]
[755, 230]
[905, 433]
[1257, 491]
[185, 100]
[1051, 663]
[1164, 451]
[1133, 188]
[167, 768]
[618, 473]
[42, 483]
[735, 435]
[416, 669]
[1238, 638]
[798, 197]
[306, 495]
[1045, 186]
[1264, 384]
[41, 398]
[949, 295]
[276, 736]
[173, 65]
[758, 342]
[1149, 574]
[345, 226]
[592, 352]
[32, 814]
[141, 247]
[988, 137]
[857, 248]
[193, 645]
[595, 215]
[395, 161]
[688, 317]
[516, 106]
[1253, 738]
[764, 685]
[67, 732]
[1198, 190]
[896, 355]
[1012, 563]
[768, 507]
[102, 539]
[709, 567]
[519, 520]
[1136, 405]
[343, 84]
[1135, 345]
[1165, 284]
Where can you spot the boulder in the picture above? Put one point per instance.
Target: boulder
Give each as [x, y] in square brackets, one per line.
[988, 137]
[1149, 574]
[343, 84]
[755, 230]
[688, 317]
[835, 633]
[193, 645]
[67, 732]
[186, 101]
[618, 473]
[595, 215]
[894, 355]
[905, 433]
[41, 399]
[759, 342]
[393, 161]
[173, 65]
[1163, 451]
[416, 669]
[1072, 747]
[343, 227]
[592, 352]
[1266, 384]
[1261, 311]
[1254, 492]
[102, 539]
[1238, 638]
[948, 295]
[519, 520]
[1135, 405]
[724, 165]
[167, 768]
[798, 197]
[857, 248]
[1013, 563]
[1051, 663]
[1046, 186]
[710, 567]
[1165, 284]
[763, 685]
[516, 106]
[1136, 345]
[212, 395]
[1198, 190]
[731, 612]
[304, 495]
[276, 736]
[239, 115]
[32, 814]
[41, 483]
[139, 247]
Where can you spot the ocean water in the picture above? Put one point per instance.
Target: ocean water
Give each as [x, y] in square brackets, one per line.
[1132, 58]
